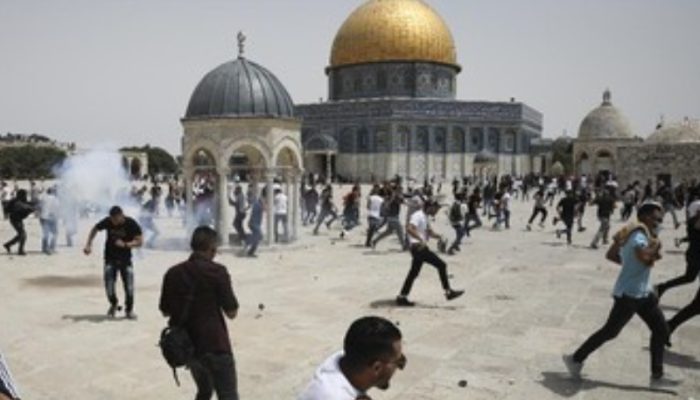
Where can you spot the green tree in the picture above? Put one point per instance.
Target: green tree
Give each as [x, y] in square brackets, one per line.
[159, 160]
[29, 162]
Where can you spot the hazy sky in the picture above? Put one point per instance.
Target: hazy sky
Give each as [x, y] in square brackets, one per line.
[121, 72]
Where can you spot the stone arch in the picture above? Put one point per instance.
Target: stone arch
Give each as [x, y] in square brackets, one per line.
[604, 161]
[201, 144]
[287, 154]
[583, 163]
[202, 158]
[252, 147]
[245, 163]
[319, 142]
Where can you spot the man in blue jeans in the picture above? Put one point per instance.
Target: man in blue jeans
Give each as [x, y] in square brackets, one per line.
[636, 248]
[123, 234]
[208, 284]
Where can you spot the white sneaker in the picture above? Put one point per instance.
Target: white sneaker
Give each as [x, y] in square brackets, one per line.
[572, 366]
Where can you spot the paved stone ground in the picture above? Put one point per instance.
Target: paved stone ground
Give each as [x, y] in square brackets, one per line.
[529, 299]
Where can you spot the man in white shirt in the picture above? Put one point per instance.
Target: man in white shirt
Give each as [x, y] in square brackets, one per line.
[419, 232]
[8, 388]
[6, 196]
[48, 217]
[375, 201]
[372, 352]
[280, 203]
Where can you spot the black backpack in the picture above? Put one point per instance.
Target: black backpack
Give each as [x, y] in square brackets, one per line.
[175, 343]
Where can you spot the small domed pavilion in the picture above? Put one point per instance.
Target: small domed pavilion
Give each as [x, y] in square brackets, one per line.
[240, 127]
[603, 130]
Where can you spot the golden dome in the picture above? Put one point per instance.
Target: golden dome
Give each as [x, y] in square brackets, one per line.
[393, 30]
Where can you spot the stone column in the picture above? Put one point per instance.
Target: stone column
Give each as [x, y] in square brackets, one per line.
[189, 204]
[296, 179]
[222, 222]
[287, 189]
[329, 167]
[269, 234]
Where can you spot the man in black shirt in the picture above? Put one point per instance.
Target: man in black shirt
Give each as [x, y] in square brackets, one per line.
[567, 212]
[123, 234]
[472, 212]
[693, 267]
[606, 206]
[19, 209]
[209, 286]
[692, 255]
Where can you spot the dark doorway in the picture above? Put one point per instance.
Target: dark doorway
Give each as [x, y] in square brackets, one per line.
[665, 178]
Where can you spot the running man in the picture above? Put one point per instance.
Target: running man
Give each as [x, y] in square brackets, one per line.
[693, 259]
[692, 255]
[636, 248]
[419, 232]
[123, 234]
[539, 208]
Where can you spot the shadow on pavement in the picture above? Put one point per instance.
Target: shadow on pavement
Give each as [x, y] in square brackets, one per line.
[391, 303]
[94, 318]
[681, 360]
[563, 385]
[555, 244]
[60, 281]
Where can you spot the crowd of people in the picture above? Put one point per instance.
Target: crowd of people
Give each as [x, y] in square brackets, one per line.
[198, 293]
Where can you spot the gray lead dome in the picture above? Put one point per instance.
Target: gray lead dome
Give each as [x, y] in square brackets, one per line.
[239, 89]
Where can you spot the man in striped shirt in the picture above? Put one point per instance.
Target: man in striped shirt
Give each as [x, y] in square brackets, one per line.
[8, 390]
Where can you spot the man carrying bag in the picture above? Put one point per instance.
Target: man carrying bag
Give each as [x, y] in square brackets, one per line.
[195, 295]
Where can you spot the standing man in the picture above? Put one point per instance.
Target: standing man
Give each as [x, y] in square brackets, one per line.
[5, 197]
[629, 199]
[636, 248]
[48, 217]
[208, 285]
[372, 352]
[255, 224]
[503, 215]
[147, 220]
[606, 205]
[280, 203]
[123, 234]
[19, 209]
[419, 232]
[456, 216]
[240, 204]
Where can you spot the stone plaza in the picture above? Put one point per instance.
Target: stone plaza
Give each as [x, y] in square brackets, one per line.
[530, 298]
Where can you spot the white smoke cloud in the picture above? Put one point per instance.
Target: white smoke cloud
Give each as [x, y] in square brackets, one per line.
[95, 179]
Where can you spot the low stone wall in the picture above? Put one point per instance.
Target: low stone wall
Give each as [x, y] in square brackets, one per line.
[680, 161]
